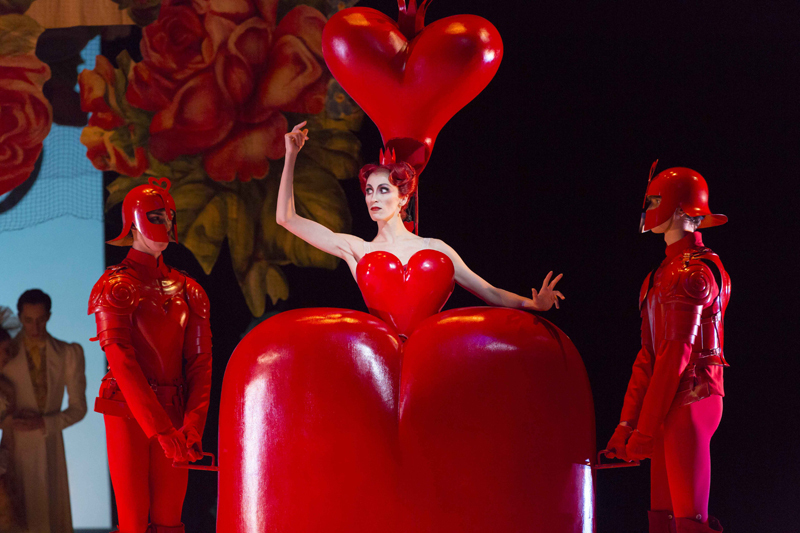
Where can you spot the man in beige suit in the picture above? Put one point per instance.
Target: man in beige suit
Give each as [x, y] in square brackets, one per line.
[41, 368]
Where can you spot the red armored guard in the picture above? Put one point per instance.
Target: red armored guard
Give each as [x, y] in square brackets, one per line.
[153, 324]
[673, 404]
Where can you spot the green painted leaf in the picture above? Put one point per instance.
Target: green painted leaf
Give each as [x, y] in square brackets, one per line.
[18, 35]
[204, 236]
[335, 151]
[318, 197]
[120, 187]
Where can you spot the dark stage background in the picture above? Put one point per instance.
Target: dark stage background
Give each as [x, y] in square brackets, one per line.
[546, 169]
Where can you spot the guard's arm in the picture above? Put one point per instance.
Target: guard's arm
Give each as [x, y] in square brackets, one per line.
[197, 362]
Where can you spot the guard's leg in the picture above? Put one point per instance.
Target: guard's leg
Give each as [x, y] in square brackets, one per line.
[660, 518]
[687, 438]
[128, 463]
[167, 490]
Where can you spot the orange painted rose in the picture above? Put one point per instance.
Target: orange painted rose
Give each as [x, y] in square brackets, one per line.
[25, 117]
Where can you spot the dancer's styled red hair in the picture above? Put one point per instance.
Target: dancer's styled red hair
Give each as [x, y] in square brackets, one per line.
[401, 175]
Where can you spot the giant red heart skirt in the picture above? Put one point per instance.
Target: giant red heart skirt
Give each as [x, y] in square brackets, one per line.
[482, 421]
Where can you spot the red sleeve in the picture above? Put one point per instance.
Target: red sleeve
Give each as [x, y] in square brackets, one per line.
[113, 299]
[197, 357]
[138, 395]
[640, 376]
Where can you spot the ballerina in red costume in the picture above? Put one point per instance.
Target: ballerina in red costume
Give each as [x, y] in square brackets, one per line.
[387, 189]
[153, 324]
[673, 404]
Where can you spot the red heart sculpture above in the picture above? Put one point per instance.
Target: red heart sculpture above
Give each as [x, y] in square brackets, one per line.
[411, 80]
[405, 295]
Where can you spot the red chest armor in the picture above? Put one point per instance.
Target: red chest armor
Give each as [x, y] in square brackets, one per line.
[157, 310]
[685, 286]
[688, 278]
[158, 318]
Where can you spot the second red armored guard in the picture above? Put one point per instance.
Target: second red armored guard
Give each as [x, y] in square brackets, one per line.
[153, 324]
[673, 404]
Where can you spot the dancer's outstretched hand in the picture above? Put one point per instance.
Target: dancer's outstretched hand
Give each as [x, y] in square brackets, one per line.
[296, 138]
[547, 295]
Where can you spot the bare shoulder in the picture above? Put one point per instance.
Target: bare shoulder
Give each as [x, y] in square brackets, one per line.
[353, 246]
[441, 246]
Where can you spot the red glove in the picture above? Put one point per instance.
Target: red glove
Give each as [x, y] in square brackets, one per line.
[640, 446]
[174, 444]
[194, 443]
[616, 446]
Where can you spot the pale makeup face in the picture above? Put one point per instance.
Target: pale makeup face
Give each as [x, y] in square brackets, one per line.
[383, 199]
[652, 203]
[34, 319]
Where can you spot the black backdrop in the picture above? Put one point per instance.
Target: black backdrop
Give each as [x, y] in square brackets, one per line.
[546, 170]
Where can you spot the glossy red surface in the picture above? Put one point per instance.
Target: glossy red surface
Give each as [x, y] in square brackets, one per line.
[405, 295]
[137, 203]
[680, 187]
[411, 85]
[490, 427]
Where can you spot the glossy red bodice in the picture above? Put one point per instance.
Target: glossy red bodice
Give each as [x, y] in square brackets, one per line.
[481, 421]
[410, 86]
[404, 295]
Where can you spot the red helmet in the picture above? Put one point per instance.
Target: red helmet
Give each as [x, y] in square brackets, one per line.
[140, 201]
[678, 187]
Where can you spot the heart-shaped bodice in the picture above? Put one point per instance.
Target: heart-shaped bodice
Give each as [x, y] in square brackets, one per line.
[404, 295]
[410, 89]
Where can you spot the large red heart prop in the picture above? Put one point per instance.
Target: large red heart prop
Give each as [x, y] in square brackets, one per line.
[490, 428]
[405, 295]
[411, 84]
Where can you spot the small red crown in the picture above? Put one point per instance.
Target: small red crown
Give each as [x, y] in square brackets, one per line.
[389, 157]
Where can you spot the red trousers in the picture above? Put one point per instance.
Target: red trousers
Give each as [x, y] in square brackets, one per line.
[680, 469]
[147, 487]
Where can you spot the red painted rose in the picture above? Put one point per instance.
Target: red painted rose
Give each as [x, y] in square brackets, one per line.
[25, 117]
[218, 74]
[174, 48]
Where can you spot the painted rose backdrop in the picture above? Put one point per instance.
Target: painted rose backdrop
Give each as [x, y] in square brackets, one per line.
[219, 84]
[25, 114]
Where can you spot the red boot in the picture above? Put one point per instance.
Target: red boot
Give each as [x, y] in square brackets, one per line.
[690, 525]
[661, 522]
[155, 528]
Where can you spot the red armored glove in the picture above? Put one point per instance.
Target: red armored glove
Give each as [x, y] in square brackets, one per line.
[174, 444]
[640, 446]
[616, 446]
[193, 443]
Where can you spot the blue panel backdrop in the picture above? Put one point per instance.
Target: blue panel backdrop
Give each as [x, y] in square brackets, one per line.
[53, 240]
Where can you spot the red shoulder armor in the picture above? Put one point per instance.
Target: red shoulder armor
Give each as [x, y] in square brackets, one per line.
[689, 281]
[197, 299]
[115, 292]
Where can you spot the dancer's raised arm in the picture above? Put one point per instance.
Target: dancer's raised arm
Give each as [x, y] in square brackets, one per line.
[542, 300]
[337, 244]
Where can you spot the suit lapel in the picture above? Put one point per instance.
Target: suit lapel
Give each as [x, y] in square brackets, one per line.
[17, 371]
